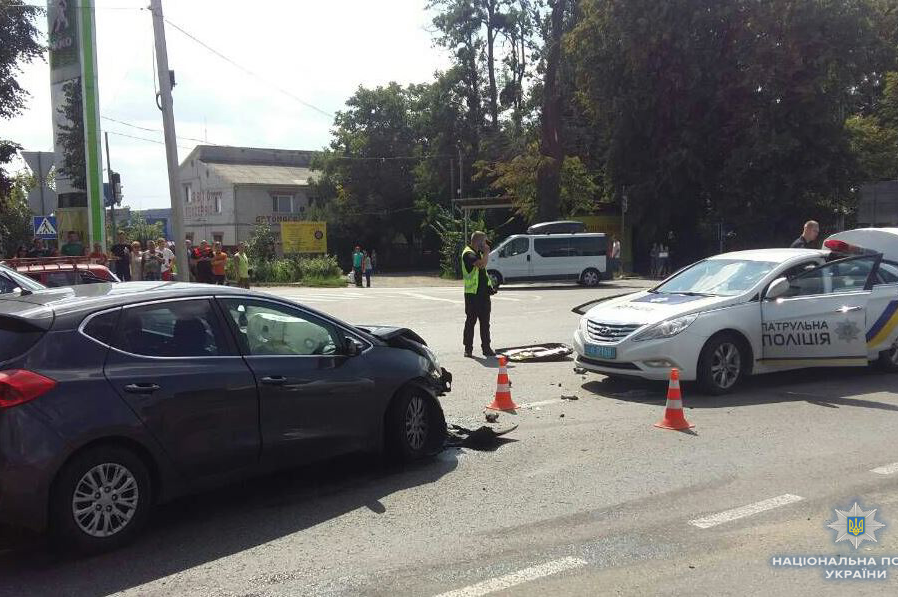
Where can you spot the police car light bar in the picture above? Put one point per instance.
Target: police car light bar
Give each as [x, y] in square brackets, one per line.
[840, 246]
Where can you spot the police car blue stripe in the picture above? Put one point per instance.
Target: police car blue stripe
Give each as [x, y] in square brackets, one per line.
[890, 310]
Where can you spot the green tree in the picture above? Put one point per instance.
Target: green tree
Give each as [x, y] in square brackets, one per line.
[140, 230]
[15, 216]
[262, 242]
[18, 44]
[71, 135]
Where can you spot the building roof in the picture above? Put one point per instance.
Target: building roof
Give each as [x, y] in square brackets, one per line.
[264, 175]
[223, 154]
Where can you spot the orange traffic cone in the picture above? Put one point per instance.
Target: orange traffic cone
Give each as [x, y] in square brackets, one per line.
[673, 414]
[503, 399]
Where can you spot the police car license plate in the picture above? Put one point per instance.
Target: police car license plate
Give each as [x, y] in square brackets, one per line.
[601, 352]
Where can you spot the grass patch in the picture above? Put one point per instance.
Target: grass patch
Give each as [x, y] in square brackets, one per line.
[324, 281]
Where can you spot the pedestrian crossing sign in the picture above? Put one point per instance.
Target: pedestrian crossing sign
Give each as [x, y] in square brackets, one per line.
[45, 227]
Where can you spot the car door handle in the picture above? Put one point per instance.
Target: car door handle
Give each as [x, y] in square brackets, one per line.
[528, 257]
[274, 380]
[848, 309]
[142, 388]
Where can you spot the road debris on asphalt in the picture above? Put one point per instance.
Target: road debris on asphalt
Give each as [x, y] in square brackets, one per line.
[483, 438]
[552, 351]
[491, 417]
[570, 397]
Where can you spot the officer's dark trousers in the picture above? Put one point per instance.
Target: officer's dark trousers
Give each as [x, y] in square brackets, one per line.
[477, 308]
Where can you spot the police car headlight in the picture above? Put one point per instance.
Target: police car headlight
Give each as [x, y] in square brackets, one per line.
[583, 323]
[666, 329]
[436, 371]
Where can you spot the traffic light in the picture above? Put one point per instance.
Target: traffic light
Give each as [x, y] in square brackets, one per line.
[112, 194]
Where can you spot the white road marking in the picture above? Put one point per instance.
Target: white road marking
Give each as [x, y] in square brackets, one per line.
[517, 578]
[432, 298]
[540, 403]
[889, 469]
[743, 511]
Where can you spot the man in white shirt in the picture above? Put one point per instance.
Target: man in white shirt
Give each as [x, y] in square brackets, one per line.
[616, 268]
[168, 257]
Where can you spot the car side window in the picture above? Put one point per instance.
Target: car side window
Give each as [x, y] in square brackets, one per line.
[887, 273]
[846, 275]
[799, 269]
[171, 329]
[7, 285]
[518, 246]
[102, 327]
[264, 328]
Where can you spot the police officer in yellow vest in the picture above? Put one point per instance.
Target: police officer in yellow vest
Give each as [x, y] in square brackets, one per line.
[478, 289]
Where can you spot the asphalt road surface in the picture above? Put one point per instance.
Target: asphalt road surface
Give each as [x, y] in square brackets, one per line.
[586, 497]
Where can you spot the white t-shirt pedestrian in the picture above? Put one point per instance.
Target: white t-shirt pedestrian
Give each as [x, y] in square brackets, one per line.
[168, 256]
[615, 250]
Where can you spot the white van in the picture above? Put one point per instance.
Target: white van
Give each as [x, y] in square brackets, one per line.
[548, 257]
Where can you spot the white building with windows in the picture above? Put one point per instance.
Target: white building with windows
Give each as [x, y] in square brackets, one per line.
[228, 190]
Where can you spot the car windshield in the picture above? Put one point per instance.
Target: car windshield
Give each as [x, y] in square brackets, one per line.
[717, 277]
[21, 281]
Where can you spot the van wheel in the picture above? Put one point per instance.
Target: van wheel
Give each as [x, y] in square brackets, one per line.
[888, 359]
[591, 278]
[495, 278]
[101, 499]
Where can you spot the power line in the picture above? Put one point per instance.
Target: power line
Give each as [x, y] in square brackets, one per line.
[249, 72]
[143, 128]
[156, 141]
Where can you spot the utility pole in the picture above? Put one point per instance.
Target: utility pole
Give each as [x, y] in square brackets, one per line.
[171, 147]
[111, 186]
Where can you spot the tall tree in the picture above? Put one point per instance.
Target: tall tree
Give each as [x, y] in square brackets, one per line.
[18, 44]
[548, 175]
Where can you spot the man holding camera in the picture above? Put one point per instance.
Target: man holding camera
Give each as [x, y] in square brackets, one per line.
[478, 288]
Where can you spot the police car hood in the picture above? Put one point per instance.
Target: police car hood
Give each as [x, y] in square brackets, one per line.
[644, 308]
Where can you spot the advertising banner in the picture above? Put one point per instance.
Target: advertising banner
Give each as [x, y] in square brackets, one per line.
[304, 237]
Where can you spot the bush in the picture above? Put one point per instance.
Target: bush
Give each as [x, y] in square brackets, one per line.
[321, 270]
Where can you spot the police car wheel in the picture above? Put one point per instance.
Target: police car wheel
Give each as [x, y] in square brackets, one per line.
[722, 364]
[888, 359]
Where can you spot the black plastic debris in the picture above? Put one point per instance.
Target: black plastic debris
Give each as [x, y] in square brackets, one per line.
[484, 438]
[570, 397]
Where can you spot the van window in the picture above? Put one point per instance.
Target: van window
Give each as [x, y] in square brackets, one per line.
[518, 246]
[571, 246]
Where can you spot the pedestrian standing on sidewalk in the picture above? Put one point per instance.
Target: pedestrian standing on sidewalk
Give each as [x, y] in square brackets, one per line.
[357, 259]
[204, 264]
[151, 262]
[241, 266]
[219, 263]
[808, 236]
[121, 257]
[366, 265]
[168, 258]
[136, 258]
[615, 257]
[478, 288]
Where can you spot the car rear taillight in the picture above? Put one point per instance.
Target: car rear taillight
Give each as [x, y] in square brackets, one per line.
[18, 386]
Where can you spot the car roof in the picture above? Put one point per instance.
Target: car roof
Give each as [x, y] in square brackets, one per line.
[92, 297]
[772, 255]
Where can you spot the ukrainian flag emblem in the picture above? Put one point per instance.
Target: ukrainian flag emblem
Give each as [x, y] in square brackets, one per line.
[856, 525]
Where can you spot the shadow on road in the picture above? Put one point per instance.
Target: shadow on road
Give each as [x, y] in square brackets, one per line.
[826, 387]
[506, 288]
[199, 529]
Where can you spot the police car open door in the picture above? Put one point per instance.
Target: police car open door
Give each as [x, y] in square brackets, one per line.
[822, 319]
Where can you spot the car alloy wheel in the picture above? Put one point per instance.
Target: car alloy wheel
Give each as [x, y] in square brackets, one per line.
[416, 426]
[726, 365]
[105, 500]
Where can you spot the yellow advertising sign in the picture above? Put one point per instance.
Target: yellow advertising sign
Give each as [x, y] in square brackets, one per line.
[304, 237]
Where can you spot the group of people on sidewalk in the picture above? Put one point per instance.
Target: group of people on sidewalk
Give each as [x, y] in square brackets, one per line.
[363, 264]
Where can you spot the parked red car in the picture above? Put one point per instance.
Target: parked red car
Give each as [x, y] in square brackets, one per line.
[55, 272]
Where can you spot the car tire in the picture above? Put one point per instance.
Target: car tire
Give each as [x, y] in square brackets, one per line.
[123, 487]
[415, 425]
[590, 278]
[723, 364]
[888, 359]
[495, 278]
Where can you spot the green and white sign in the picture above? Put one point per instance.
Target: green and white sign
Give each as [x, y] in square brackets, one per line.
[74, 92]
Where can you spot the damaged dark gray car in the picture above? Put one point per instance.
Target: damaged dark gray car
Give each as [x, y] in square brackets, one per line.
[116, 397]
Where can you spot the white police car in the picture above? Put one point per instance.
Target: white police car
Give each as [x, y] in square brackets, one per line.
[746, 312]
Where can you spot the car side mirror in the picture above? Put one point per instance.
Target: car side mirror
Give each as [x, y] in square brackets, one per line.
[352, 347]
[778, 288]
[502, 252]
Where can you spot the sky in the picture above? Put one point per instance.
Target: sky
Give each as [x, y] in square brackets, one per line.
[317, 52]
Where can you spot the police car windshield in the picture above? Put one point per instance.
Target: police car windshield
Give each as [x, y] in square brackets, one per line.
[717, 277]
